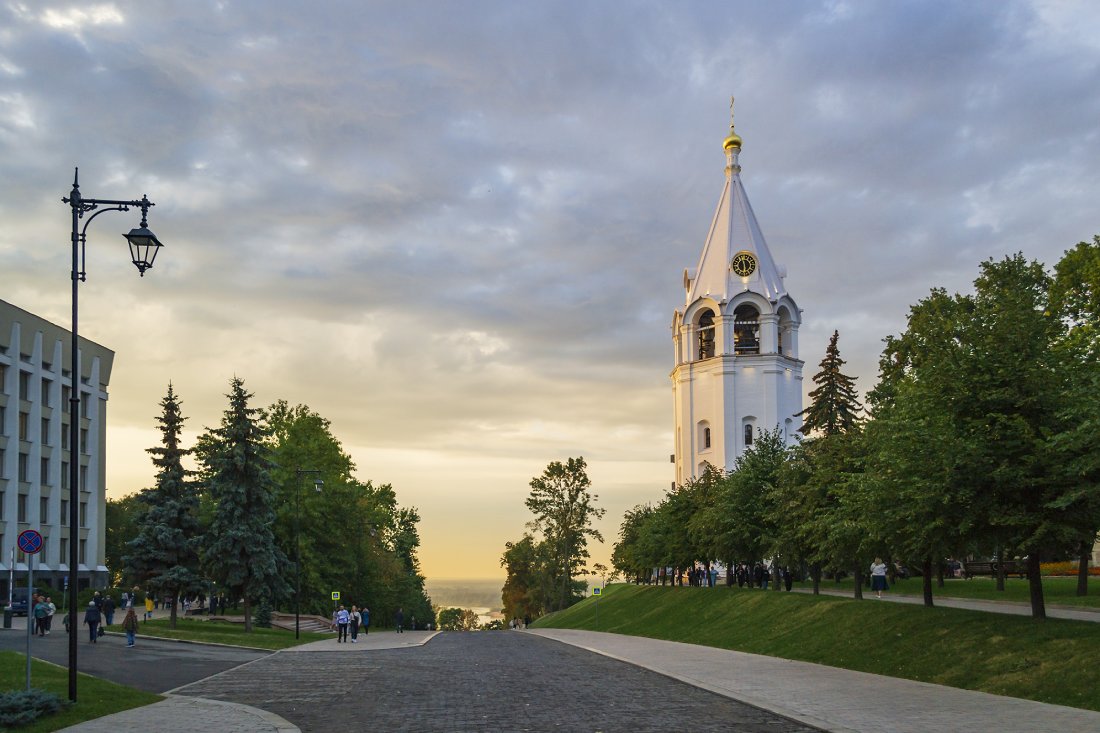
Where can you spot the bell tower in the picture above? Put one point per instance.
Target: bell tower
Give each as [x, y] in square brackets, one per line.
[735, 341]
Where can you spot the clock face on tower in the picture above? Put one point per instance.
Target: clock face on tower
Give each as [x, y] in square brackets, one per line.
[743, 264]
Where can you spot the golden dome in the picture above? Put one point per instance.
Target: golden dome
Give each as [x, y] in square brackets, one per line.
[733, 140]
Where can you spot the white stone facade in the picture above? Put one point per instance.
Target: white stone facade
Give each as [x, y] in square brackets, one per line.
[737, 370]
[34, 448]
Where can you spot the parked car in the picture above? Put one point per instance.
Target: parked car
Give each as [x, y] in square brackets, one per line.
[19, 601]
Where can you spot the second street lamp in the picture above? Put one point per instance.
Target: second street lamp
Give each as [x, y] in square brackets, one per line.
[144, 246]
[317, 484]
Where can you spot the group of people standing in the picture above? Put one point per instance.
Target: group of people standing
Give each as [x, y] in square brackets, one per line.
[357, 618]
[43, 609]
[101, 613]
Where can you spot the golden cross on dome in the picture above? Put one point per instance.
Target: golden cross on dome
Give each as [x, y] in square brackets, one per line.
[731, 112]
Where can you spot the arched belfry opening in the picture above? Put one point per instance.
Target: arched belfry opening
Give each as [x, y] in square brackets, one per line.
[746, 330]
[705, 333]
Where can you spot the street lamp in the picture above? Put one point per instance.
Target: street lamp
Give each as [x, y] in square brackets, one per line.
[144, 246]
[317, 484]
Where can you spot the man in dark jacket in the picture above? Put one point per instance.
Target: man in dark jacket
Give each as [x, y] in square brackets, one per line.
[92, 618]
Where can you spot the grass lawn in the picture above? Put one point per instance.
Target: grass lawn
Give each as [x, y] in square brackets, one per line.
[221, 632]
[95, 697]
[1050, 661]
[1057, 590]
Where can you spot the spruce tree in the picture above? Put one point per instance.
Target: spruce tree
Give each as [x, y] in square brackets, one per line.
[164, 556]
[834, 407]
[240, 550]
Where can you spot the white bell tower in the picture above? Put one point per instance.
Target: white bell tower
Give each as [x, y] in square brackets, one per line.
[735, 341]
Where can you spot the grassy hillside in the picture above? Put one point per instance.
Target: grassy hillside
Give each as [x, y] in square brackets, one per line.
[1051, 661]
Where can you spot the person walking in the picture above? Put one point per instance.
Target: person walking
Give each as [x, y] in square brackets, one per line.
[878, 577]
[399, 621]
[365, 613]
[130, 625]
[148, 607]
[92, 618]
[108, 610]
[342, 620]
[40, 612]
[356, 618]
[49, 616]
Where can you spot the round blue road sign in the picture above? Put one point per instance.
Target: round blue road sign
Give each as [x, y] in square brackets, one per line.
[30, 541]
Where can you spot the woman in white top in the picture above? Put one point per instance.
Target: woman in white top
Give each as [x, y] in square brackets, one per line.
[878, 577]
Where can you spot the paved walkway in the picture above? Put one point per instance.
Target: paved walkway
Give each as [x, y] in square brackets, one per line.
[831, 698]
[1012, 608]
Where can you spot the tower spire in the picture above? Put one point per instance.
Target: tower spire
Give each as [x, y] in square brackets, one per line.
[733, 140]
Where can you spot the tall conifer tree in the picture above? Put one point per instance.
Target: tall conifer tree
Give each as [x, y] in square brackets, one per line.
[164, 556]
[240, 550]
[834, 407]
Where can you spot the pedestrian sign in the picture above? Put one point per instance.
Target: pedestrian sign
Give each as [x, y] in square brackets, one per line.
[30, 541]
[335, 595]
[597, 590]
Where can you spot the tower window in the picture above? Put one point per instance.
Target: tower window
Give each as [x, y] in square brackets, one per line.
[703, 435]
[706, 334]
[746, 330]
[706, 437]
[748, 435]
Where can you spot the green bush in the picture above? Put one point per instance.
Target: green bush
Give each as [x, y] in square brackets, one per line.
[21, 707]
[263, 613]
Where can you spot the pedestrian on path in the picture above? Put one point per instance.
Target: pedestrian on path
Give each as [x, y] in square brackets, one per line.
[365, 613]
[342, 620]
[148, 607]
[356, 619]
[40, 612]
[92, 619]
[878, 577]
[399, 621]
[109, 610]
[130, 625]
[49, 616]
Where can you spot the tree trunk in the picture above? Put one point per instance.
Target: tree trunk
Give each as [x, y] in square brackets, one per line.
[815, 574]
[1035, 585]
[1000, 570]
[247, 614]
[857, 581]
[777, 579]
[926, 580]
[1083, 569]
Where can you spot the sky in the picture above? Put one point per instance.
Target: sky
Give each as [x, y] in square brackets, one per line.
[458, 230]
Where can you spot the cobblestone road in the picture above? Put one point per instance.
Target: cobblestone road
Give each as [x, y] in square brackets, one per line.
[486, 682]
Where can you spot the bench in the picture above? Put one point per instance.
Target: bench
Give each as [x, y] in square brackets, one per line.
[1011, 567]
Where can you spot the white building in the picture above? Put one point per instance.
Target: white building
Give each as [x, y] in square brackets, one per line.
[35, 385]
[735, 340]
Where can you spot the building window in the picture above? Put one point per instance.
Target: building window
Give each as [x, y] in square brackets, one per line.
[65, 476]
[706, 334]
[64, 437]
[706, 437]
[24, 385]
[746, 330]
[44, 436]
[64, 514]
[24, 425]
[83, 552]
[3, 420]
[84, 441]
[21, 511]
[44, 510]
[748, 435]
[83, 514]
[24, 468]
[83, 478]
[65, 549]
[2, 497]
[85, 404]
[46, 384]
[44, 472]
[66, 395]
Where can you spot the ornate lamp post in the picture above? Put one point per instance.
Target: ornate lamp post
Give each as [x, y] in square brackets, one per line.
[144, 246]
[317, 484]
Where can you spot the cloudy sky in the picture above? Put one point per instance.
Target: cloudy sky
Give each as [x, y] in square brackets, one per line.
[457, 230]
